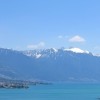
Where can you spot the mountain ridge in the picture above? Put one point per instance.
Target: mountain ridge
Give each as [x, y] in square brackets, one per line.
[50, 65]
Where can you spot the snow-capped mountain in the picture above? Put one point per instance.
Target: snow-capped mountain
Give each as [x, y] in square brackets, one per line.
[70, 65]
[77, 50]
[52, 51]
[41, 53]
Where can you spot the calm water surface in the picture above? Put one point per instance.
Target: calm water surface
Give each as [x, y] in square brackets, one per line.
[53, 92]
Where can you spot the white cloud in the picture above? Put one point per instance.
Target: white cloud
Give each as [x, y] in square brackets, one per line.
[77, 38]
[36, 46]
[60, 36]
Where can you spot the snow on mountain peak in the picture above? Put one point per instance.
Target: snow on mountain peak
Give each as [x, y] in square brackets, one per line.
[97, 55]
[38, 55]
[77, 50]
[55, 50]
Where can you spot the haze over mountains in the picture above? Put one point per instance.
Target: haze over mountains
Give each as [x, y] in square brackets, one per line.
[66, 65]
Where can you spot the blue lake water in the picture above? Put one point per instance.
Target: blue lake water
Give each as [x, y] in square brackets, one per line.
[53, 92]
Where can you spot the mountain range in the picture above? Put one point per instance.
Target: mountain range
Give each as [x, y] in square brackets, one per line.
[57, 65]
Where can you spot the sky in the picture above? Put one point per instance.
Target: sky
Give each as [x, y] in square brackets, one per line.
[39, 24]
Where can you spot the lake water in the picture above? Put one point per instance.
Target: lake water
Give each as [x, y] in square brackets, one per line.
[53, 92]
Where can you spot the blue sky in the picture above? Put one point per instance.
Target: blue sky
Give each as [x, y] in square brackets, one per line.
[33, 24]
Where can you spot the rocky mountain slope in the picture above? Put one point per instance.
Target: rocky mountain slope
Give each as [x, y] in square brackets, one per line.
[68, 65]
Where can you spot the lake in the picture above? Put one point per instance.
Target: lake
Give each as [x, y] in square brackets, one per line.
[53, 92]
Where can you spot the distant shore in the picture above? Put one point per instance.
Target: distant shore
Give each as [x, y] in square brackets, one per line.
[11, 84]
